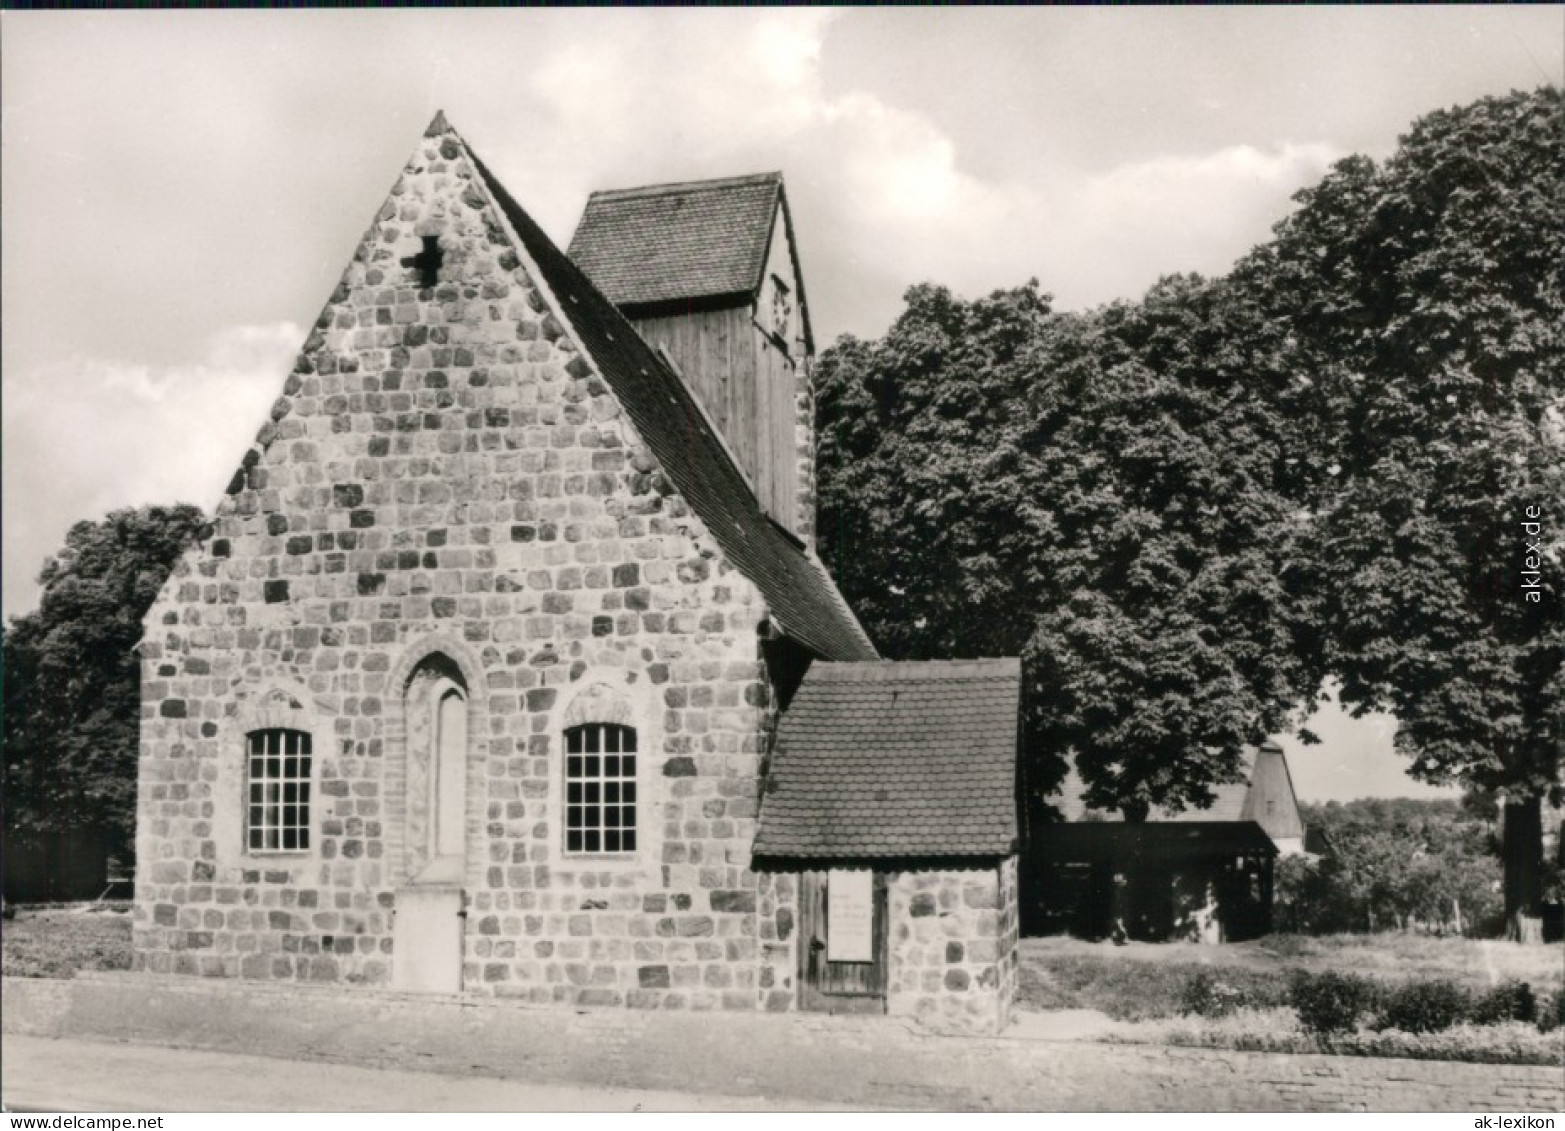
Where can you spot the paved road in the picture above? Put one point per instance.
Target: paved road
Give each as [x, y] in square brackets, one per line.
[40, 1074]
[455, 1052]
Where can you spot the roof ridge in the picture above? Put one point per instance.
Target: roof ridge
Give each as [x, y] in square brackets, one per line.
[944, 661]
[984, 669]
[663, 410]
[773, 177]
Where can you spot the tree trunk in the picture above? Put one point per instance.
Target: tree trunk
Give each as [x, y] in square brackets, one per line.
[1522, 850]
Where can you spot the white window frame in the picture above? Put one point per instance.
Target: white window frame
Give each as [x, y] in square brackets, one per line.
[596, 782]
[610, 694]
[274, 832]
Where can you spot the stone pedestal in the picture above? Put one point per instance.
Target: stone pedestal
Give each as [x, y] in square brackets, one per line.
[427, 939]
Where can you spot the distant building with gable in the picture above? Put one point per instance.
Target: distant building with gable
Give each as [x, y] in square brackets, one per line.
[1204, 873]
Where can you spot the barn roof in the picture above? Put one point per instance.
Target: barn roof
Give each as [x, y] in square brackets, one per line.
[692, 244]
[1168, 842]
[798, 591]
[895, 759]
[1231, 803]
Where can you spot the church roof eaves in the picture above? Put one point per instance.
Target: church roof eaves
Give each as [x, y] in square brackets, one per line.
[797, 590]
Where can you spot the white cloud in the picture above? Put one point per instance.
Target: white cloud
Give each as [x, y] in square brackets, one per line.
[668, 95]
[890, 187]
[1171, 214]
[84, 437]
[1204, 195]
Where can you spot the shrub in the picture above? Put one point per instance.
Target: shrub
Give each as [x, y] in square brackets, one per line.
[1511, 1000]
[1552, 1015]
[1507, 1043]
[1423, 1007]
[1329, 1002]
[1205, 995]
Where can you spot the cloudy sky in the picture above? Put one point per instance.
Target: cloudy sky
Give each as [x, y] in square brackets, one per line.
[181, 189]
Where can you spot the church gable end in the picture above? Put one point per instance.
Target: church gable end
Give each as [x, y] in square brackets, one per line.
[453, 521]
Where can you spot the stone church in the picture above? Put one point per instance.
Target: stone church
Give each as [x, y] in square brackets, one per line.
[508, 667]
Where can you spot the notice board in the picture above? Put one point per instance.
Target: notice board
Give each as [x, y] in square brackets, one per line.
[850, 916]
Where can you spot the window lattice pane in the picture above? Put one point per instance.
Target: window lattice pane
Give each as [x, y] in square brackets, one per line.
[279, 791]
[600, 789]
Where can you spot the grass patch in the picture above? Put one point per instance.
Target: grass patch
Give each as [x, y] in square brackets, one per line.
[58, 942]
[1159, 991]
[1128, 990]
[1141, 981]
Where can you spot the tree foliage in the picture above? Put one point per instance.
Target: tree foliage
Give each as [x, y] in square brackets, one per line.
[1426, 314]
[1394, 863]
[1101, 493]
[72, 682]
[1187, 511]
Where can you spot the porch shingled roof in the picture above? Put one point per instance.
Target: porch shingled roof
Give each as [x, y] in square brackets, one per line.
[896, 759]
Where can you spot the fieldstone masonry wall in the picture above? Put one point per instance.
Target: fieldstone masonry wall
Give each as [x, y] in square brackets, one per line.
[953, 947]
[1010, 938]
[779, 902]
[446, 475]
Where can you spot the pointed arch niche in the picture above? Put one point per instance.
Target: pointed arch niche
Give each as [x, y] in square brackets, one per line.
[435, 747]
[435, 701]
[436, 744]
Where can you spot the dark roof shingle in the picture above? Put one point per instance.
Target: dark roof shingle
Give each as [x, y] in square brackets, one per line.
[895, 759]
[798, 591]
[680, 242]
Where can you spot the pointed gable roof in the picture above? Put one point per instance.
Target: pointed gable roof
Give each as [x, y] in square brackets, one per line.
[913, 758]
[799, 593]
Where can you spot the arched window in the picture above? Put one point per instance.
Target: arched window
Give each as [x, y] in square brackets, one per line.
[278, 793]
[601, 806]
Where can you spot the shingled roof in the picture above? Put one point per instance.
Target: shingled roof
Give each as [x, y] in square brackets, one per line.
[680, 245]
[895, 760]
[800, 595]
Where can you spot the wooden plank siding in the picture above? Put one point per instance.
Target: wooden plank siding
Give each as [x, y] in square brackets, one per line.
[778, 386]
[748, 387]
[838, 987]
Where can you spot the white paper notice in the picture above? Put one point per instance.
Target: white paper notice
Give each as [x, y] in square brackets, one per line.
[850, 916]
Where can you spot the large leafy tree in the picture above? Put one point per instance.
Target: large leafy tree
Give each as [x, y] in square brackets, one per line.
[72, 677]
[1175, 628]
[1100, 493]
[1187, 511]
[1425, 312]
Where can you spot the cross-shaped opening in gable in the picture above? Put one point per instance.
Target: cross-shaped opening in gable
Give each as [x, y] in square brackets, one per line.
[427, 262]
